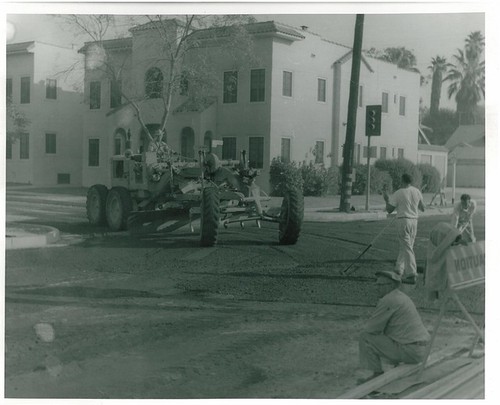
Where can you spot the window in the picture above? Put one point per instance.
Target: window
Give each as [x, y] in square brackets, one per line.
[95, 95]
[154, 83]
[285, 150]
[25, 90]
[51, 89]
[115, 93]
[50, 143]
[360, 97]
[256, 152]
[385, 102]
[93, 152]
[8, 89]
[373, 151]
[187, 142]
[322, 90]
[426, 159]
[401, 153]
[24, 146]
[120, 141]
[319, 152]
[230, 91]
[118, 146]
[402, 105]
[229, 148]
[287, 84]
[257, 85]
[383, 152]
[63, 178]
[8, 148]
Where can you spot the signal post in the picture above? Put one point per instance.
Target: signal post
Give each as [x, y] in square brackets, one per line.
[373, 127]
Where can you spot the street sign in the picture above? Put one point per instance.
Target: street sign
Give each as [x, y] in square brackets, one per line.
[465, 265]
[373, 126]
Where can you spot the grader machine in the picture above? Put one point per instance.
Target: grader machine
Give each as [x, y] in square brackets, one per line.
[162, 192]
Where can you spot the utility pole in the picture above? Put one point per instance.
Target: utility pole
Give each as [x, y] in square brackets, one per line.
[348, 152]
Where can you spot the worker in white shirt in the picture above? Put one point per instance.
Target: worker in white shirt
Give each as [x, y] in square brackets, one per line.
[406, 201]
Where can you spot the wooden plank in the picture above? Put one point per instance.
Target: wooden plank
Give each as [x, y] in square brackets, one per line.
[428, 376]
[441, 387]
[401, 371]
[472, 389]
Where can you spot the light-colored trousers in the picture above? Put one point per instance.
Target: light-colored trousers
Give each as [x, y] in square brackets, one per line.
[372, 348]
[407, 232]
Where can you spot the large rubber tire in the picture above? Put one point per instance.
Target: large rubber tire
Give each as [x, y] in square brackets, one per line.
[291, 217]
[118, 207]
[96, 204]
[210, 216]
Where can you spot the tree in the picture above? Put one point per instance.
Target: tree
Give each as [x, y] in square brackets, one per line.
[173, 66]
[399, 56]
[443, 123]
[467, 77]
[438, 67]
[16, 121]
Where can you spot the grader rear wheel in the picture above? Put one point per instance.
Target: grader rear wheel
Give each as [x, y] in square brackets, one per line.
[96, 204]
[291, 216]
[118, 207]
[210, 215]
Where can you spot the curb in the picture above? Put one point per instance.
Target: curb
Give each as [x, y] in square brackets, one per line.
[326, 215]
[30, 236]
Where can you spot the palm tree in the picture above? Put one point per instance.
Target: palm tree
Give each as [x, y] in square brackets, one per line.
[467, 78]
[438, 66]
[474, 45]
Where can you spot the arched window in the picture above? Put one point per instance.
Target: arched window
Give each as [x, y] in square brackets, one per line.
[154, 83]
[119, 141]
[187, 142]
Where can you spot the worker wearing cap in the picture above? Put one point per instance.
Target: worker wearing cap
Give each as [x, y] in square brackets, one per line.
[461, 218]
[406, 201]
[395, 330]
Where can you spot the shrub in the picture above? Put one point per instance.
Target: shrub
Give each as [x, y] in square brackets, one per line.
[283, 176]
[379, 180]
[315, 179]
[431, 179]
[396, 168]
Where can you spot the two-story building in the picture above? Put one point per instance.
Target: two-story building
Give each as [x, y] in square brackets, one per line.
[289, 101]
[48, 151]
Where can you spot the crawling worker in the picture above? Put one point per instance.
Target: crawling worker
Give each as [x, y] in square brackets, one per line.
[394, 332]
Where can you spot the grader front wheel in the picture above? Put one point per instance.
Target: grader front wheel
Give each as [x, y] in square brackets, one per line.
[291, 217]
[210, 215]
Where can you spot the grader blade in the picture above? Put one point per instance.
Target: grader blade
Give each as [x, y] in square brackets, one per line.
[157, 221]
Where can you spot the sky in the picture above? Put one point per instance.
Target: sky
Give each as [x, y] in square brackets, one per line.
[427, 33]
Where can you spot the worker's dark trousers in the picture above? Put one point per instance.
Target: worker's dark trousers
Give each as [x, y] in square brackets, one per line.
[372, 348]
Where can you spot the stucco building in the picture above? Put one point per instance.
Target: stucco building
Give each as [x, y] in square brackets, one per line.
[290, 101]
[467, 152]
[48, 151]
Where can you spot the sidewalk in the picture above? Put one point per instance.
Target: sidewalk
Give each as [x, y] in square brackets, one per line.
[316, 209]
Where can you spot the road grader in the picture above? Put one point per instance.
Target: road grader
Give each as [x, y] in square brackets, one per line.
[161, 192]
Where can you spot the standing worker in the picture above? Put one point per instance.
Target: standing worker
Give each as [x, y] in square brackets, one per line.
[394, 332]
[406, 201]
[462, 217]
